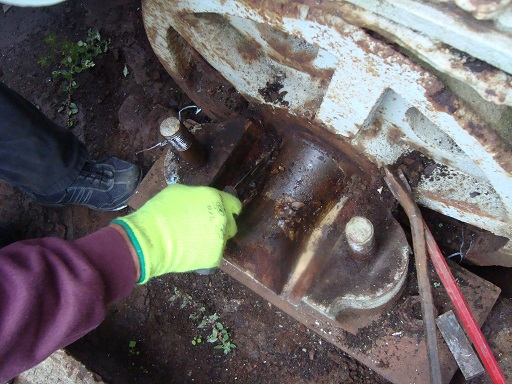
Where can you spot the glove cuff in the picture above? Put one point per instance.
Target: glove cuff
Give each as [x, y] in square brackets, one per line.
[143, 275]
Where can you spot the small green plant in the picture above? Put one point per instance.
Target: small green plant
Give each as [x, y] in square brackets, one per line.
[219, 333]
[132, 348]
[72, 59]
[198, 313]
[215, 330]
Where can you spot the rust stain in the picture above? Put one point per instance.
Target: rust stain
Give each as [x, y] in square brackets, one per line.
[491, 92]
[249, 50]
[491, 140]
[472, 63]
[477, 130]
[444, 100]
[372, 43]
[202, 83]
[274, 10]
[287, 45]
[455, 204]
[323, 75]
[395, 134]
[191, 19]
[267, 252]
[292, 51]
[272, 93]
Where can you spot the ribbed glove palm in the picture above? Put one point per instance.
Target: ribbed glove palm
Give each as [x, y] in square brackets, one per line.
[181, 229]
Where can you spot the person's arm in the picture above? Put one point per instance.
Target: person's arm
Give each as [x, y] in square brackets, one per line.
[52, 292]
[131, 249]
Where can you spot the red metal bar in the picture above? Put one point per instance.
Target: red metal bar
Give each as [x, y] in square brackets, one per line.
[462, 309]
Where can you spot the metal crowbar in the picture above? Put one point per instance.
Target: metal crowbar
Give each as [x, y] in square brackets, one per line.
[401, 191]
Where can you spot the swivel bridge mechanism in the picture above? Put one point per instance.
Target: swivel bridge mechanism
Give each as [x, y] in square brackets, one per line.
[309, 100]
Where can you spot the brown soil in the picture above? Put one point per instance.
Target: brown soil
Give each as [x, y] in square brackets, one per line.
[117, 116]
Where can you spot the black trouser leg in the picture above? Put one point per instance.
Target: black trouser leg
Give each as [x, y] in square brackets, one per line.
[36, 154]
[7, 235]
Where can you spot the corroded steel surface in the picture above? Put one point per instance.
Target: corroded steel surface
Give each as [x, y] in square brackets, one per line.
[306, 60]
[483, 9]
[491, 83]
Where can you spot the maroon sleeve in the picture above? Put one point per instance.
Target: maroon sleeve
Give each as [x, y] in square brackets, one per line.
[53, 291]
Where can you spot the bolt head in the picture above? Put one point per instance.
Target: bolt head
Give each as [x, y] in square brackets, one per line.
[360, 234]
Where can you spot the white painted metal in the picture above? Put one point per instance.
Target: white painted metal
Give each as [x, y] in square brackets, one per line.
[448, 27]
[492, 85]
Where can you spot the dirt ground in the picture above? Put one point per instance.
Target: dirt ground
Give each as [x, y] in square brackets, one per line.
[148, 337]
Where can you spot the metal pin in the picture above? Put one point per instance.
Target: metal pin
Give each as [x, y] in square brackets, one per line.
[360, 236]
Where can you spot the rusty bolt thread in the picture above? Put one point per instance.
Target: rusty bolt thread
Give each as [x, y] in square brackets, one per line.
[188, 147]
[360, 236]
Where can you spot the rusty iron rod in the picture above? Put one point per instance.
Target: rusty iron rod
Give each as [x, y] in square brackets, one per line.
[463, 310]
[404, 197]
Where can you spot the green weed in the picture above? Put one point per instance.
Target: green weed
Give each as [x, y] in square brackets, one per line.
[71, 59]
[216, 332]
[132, 348]
[186, 300]
[219, 334]
[132, 345]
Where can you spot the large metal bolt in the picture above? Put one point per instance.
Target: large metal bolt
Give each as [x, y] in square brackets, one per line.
[191, 150]
[360, 236]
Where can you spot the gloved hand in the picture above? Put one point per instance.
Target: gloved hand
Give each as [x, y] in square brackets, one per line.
[181, 229]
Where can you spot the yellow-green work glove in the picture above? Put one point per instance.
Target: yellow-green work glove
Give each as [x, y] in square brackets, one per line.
[181, 229]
